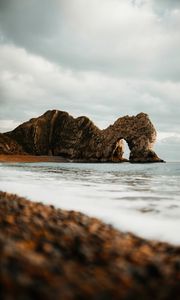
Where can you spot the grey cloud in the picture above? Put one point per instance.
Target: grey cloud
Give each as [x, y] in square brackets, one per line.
[82, 35]
[162, 6]
[97, 58]
[20, 18]
[32, 84]
[168, 148]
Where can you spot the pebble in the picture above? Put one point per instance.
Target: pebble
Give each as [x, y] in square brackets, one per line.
[51, 254]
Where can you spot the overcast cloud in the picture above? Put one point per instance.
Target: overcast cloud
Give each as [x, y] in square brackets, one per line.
[100, 58]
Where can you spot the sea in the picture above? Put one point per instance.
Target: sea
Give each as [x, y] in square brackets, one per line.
[143, 199]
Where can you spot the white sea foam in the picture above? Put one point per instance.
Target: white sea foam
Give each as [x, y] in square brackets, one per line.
[143, 199]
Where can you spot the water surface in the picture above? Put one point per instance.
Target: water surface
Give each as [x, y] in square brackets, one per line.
[141, 198]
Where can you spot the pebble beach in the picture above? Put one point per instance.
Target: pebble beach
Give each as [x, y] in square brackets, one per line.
[49, 253]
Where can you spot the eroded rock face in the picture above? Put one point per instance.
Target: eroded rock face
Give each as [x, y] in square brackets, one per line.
[58, 133]
[139, 133]
[9, 145]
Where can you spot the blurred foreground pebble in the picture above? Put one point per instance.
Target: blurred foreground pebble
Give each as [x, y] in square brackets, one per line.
[48, 253]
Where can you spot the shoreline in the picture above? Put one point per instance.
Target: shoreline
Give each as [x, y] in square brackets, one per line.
[31, 158]
[26, 158]
[21, 158]
[52, 253]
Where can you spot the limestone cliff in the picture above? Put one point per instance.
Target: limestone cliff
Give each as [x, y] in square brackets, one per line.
[58, 133]
[9, 145]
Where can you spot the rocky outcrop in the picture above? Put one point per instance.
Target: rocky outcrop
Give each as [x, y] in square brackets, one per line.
[59, 134]
[138, 132]
[48, 253]
[9, 145]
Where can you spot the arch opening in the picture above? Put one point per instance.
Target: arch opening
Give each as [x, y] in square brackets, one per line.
[121, 151]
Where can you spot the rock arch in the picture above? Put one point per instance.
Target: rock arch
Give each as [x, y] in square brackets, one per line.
[119, 151]
[138, 132]
[58, 133]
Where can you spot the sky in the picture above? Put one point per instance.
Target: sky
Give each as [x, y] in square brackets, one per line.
[99, 58]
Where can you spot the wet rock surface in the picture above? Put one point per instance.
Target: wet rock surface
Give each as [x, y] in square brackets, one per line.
[59, 134]
[48, 253]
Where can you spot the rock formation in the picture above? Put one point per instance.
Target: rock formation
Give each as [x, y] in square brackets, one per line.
[9, 145]
[59, 134]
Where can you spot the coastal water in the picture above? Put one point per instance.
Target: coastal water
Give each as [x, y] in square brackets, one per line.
[140, 198]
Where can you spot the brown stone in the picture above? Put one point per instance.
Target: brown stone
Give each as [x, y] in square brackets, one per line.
[48, 253]
[59, 134]
[9, 145]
